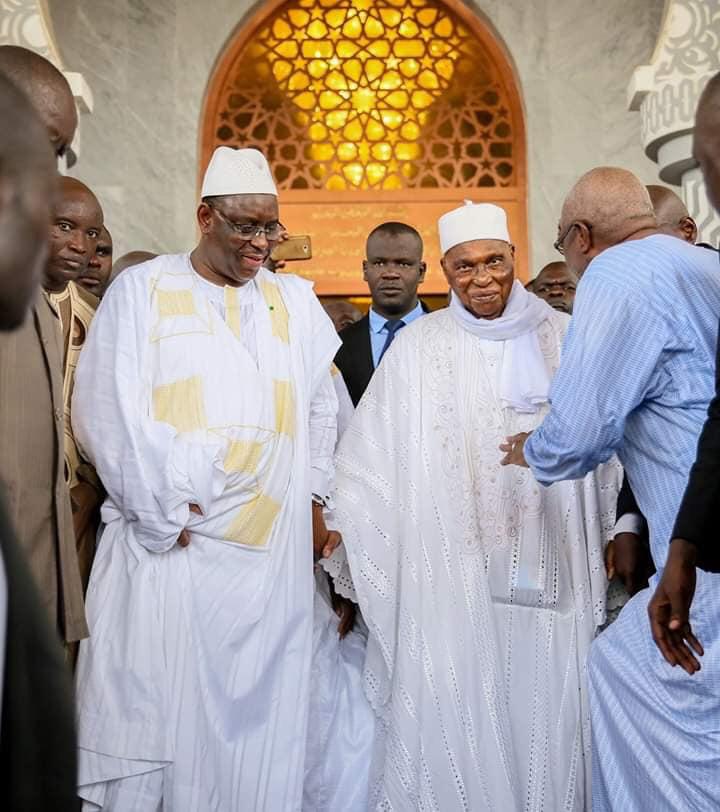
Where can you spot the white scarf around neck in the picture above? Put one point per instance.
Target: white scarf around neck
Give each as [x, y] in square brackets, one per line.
[524, 378]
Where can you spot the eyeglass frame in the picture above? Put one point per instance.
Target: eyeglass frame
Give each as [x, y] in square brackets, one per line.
[482, 267]
[235, 227]
[559, 244]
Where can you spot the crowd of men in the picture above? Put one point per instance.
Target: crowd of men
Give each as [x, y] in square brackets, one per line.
[297, 557]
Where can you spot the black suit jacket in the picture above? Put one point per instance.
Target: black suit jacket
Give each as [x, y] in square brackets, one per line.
[354, 359]
[697, 519]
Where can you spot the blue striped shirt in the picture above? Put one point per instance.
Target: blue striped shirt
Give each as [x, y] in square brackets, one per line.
[637, 374]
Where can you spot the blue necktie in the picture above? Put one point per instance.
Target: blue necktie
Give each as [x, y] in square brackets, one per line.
[391, 327]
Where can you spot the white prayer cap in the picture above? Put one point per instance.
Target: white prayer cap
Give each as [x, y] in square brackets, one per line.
[472, 221]
[238, 172]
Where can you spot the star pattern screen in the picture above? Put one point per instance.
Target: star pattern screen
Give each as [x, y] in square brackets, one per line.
[369, 94]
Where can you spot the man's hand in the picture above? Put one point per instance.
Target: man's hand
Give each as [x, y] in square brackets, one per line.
[669, 608]
[324, 541]
[514, 448]
[184, 537]
[626, 557]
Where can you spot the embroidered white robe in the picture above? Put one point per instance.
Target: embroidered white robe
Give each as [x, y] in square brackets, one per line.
[482, 590]
[194, 685]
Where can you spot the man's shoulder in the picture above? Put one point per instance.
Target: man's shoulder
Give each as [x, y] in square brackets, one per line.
[557, 321]
[287, 282]
[355, 338]
[147, 274]
[358, 328]
[82, 295]
[655, 253]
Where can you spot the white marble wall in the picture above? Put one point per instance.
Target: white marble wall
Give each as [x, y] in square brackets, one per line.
[148, 63]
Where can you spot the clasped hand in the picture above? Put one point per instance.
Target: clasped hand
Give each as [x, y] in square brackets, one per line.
[184, 537]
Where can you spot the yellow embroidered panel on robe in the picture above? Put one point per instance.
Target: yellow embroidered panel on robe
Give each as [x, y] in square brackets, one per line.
[232, 311]
[254, 522]
[175, 303]
[278, 311]
[284, 408]
[181, 404]
[243, 456]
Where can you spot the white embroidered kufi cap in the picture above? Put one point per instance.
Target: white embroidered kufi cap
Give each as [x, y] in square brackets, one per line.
[472, 221]
[238, 172]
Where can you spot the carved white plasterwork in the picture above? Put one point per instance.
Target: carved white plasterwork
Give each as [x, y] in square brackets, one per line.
[666, 94]
[26, 23]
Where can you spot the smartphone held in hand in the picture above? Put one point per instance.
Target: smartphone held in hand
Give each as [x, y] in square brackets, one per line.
[294, 248]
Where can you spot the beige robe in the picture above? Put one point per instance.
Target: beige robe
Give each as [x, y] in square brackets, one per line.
[76, 308]
[32, 463]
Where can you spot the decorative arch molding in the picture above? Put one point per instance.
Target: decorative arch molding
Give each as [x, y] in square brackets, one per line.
[27, 23]
[372, 110]
[666, 93]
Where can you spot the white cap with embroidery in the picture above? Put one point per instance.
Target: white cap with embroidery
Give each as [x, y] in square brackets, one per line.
[238, 172]
[472, 221]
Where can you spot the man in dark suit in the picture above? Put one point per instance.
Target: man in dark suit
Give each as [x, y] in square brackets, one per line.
[393, 269]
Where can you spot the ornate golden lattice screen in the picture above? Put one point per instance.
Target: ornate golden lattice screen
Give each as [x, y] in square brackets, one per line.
[371, 110]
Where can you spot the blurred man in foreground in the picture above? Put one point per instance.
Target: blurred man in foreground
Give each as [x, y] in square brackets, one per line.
[37, 737]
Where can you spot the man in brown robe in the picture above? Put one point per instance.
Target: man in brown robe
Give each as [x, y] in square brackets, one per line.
[74, 239]
[32, 420]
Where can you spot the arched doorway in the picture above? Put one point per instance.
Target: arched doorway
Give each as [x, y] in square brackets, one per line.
[372, 110]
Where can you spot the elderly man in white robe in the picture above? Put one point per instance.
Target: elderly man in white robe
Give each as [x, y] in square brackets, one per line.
[482, 590]
[204, 399]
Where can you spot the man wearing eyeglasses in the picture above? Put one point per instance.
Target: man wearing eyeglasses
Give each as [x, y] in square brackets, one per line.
[204, 399]
[636, 378]
[481, 590]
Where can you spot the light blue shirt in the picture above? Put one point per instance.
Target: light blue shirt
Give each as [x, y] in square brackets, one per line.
[378, 333]
[637, 374]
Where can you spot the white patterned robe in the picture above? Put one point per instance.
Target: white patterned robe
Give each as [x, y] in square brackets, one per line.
[482, 590]
[194, 685]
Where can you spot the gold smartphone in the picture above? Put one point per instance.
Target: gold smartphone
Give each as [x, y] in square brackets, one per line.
[293, 249]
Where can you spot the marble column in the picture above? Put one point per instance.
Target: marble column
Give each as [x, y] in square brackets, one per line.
[666, 93]
[27, 23]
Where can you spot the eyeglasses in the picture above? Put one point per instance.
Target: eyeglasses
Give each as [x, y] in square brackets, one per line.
[248, 231]
[559, 244]
[471, 271]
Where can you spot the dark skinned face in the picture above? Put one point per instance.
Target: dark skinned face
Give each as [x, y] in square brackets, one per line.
[73, 237]
[393, 271]
[96, 276]
[556, 285]
[481, 274]
[225, 257]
